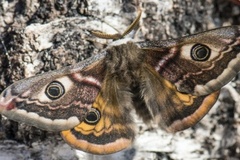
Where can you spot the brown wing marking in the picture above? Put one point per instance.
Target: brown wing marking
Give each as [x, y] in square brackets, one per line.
[171, 109]
[190, 120]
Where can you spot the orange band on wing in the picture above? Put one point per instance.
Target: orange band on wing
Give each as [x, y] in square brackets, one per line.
[187, 99]
[195, 117]
[84, 145]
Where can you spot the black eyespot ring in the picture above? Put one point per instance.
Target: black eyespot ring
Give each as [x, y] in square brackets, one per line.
[200, 52]
[54, 90]
[93, 116]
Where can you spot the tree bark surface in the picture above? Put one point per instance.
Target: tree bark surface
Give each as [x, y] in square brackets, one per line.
[39, 36]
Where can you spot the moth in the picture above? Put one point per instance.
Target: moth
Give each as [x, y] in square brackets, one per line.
[173, 83]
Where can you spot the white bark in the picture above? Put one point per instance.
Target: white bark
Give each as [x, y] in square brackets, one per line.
[38, 37]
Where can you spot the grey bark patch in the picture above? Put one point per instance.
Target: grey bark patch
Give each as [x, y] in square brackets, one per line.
[216, 136]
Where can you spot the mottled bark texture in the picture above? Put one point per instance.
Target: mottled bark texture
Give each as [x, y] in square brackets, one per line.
[38, 36]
